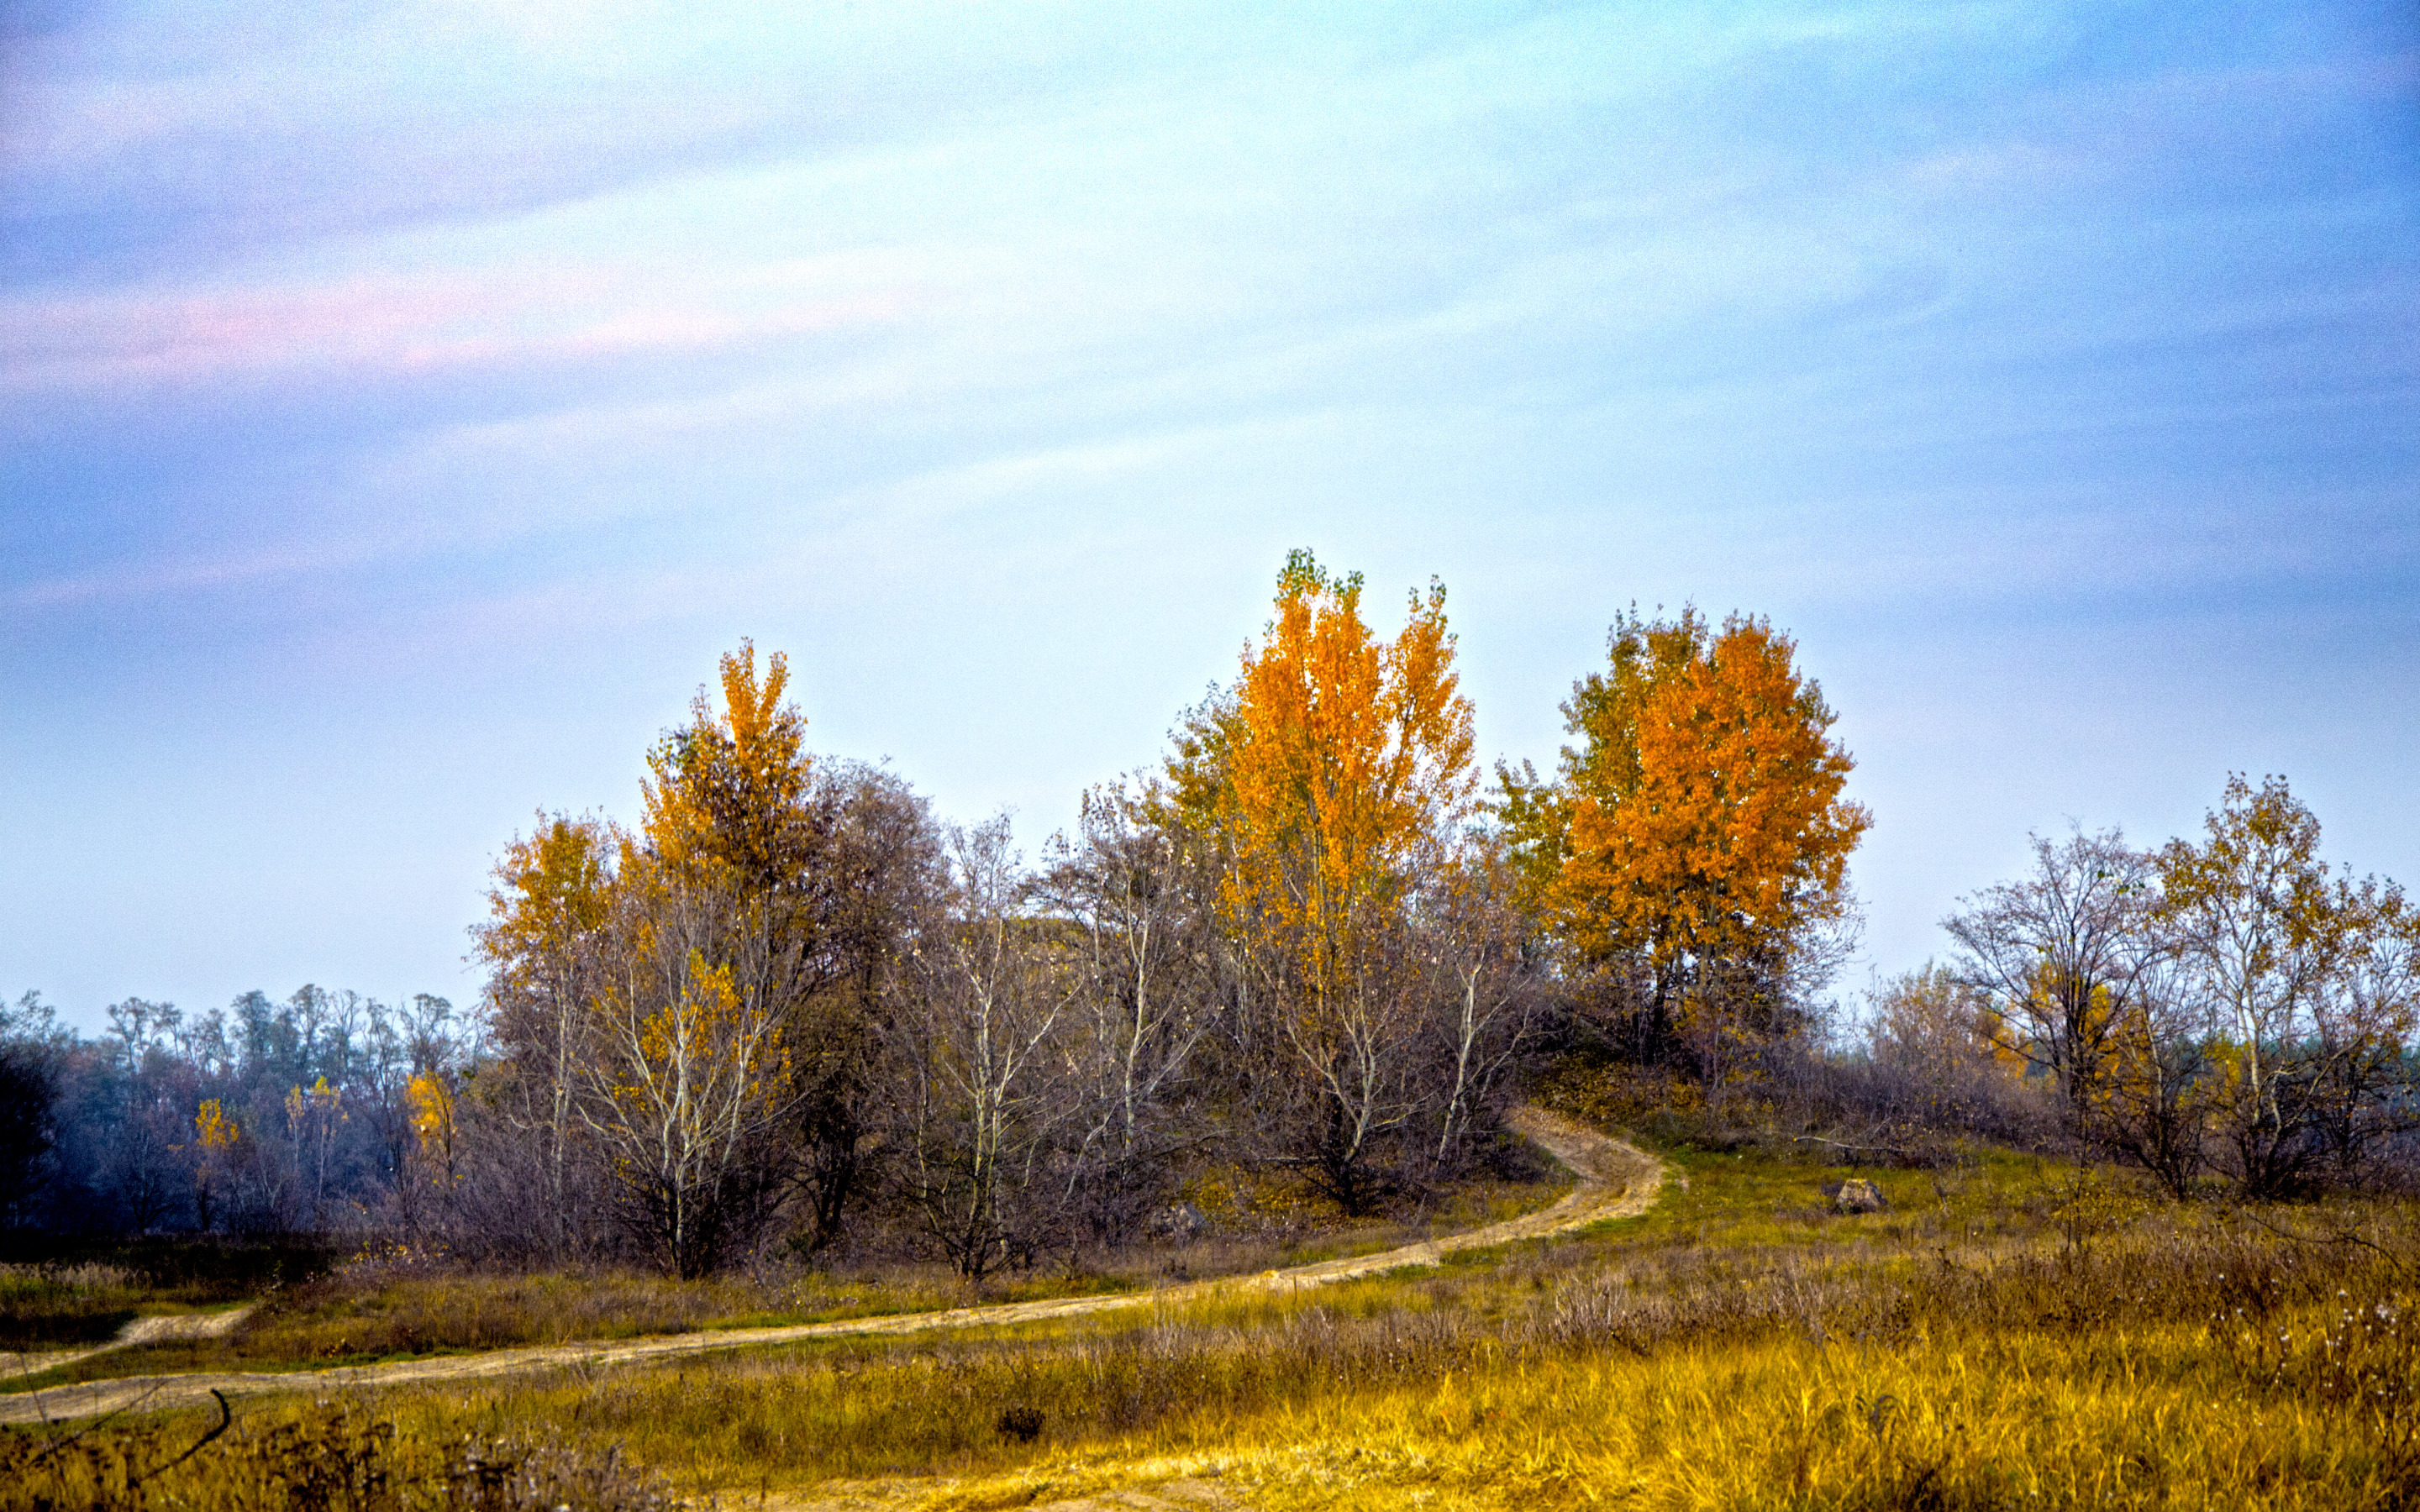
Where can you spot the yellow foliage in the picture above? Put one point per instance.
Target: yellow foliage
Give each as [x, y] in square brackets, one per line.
[323, 1100]
[212, 1128]
[702, 1047]
[432, 1115]
[729, 792]
[551, 889]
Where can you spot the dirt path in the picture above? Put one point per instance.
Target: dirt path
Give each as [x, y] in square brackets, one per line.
[141, 1331]
[1617, 1180]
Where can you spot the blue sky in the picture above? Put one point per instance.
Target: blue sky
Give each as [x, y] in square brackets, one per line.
[401, 407]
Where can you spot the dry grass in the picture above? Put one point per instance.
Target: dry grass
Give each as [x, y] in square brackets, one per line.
[2014, 1332]
[318, 1458]
[395, 1303]
[2029, 1338]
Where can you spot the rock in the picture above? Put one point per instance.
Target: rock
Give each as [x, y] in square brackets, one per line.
[1857, 1195]
[1179, 1221]
[1023, 1424]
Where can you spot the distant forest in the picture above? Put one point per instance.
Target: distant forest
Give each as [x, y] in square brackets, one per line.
[1316, 943]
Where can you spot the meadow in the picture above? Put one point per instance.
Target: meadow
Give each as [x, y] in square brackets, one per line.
[310, 1309]
[2016, 1330]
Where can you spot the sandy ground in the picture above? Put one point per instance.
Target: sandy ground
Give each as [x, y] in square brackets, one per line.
[1616, 1181]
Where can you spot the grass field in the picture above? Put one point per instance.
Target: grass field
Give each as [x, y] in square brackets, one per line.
[74, 1293]
[393, 1303]
[2015, 1332]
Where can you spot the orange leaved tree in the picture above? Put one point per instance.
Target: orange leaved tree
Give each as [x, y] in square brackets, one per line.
[1337, 770]
[1697, 843]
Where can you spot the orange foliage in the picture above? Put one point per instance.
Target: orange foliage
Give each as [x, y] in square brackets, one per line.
[1344, 756]
[1704, 812]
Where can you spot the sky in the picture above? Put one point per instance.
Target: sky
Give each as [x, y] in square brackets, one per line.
[402, 406]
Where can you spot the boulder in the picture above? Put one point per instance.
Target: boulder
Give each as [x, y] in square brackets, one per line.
[1857, 1195]
[1181, 1221]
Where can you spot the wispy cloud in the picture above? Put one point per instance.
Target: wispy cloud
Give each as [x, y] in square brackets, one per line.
[417, 325]
[978, 347]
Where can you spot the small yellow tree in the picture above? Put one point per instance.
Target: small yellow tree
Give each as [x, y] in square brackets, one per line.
[214, 1140]
[431, 1103]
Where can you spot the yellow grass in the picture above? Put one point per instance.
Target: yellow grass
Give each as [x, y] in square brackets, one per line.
[2014, 1334]
[376, 1306]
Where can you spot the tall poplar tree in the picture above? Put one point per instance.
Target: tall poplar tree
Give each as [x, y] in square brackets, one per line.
[1339, 769]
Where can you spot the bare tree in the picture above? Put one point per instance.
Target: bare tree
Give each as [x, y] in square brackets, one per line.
[990, 982]
[1478, 935]
[2364, 1035]
[28, 1089]
[1933, 1064]
[2059, 958]
[2152, 1100]
[2306, 977]
[882, 870]
[142, 1156]
[1136, 887]
[685, 1072]
[312, 1115]
[1355, 1058]
[406, 1095]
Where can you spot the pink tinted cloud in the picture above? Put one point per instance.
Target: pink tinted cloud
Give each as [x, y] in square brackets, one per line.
[420, 325]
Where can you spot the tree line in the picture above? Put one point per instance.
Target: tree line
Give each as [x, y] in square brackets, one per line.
[792, 1005]
[1312, 939]
[267, 1118]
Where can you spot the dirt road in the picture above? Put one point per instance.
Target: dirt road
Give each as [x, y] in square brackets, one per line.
[141, 1331]
[1616, 1181]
